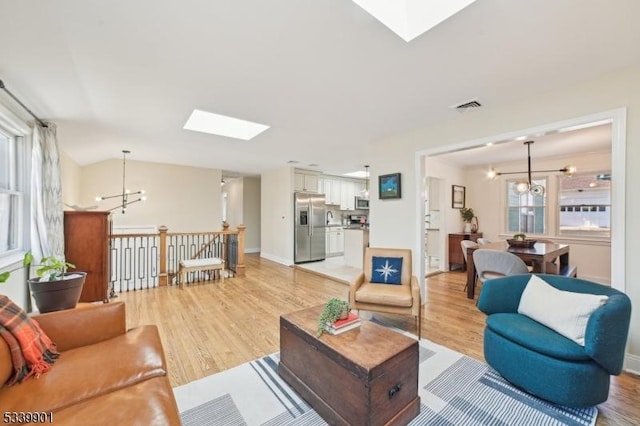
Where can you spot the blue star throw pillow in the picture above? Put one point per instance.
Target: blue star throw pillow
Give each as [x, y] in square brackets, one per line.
[386, 270]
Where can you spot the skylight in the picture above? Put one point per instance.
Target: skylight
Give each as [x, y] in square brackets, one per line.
[410, 18]
[216, 124]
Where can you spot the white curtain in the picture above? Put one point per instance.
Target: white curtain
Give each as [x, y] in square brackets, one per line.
[47, 236]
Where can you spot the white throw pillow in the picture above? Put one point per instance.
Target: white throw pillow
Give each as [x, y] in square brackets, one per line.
[565, 312]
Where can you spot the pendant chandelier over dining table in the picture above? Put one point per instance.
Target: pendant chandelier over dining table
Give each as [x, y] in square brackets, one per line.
[365, 194]
[523, 186]
[124, 196]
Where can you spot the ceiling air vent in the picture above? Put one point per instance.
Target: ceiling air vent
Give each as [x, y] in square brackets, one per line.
[466, 106]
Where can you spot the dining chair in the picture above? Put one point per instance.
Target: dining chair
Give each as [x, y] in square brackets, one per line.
[483, 241]
[465, 244]
[496, 263]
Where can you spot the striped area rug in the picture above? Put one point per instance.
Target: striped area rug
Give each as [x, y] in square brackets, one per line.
[454, 390]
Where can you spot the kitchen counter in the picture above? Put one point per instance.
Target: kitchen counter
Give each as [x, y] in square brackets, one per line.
[355, 241]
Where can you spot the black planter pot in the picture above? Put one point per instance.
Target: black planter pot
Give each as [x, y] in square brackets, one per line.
[57, 295]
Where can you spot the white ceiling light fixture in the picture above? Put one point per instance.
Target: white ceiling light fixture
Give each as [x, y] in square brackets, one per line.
[410, 18]
[222, 125]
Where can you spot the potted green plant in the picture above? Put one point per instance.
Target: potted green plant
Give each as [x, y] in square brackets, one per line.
[334, 309]
[54, 289]
[467, 217]
[26, 262]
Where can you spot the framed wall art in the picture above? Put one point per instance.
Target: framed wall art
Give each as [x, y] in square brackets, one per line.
[457, 196]
[389, 186]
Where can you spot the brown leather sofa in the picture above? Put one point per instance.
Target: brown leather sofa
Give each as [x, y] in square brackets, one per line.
[105, 375]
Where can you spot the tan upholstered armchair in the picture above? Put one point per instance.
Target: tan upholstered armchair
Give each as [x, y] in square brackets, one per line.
[403, 298]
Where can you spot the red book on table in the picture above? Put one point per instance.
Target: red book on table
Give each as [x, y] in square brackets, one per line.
[352, 318]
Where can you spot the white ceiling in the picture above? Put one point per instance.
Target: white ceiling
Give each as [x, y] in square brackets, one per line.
[554, 144]
[327, 77]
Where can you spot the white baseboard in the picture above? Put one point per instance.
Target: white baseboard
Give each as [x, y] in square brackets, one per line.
[252, 250]
[286, 262]
[632, 363]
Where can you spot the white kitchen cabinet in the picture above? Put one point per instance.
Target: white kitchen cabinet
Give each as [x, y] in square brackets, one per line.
[338, 192]
[335, 241]
[327, 189]
[347, 195]
[336, 187]
[307, 182]
[340, 241]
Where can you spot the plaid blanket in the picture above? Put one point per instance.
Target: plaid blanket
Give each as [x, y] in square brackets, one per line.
[32, 351]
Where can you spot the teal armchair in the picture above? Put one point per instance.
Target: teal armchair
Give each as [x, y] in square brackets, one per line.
[544, 363]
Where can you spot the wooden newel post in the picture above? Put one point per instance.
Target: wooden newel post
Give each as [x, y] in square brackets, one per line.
[163, 281]
[240, 268]
[225, 241]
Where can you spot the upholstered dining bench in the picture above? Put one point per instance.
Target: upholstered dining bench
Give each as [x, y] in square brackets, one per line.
[196, 265]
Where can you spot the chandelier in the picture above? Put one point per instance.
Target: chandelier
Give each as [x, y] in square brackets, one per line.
[524, 186]
[124, 197]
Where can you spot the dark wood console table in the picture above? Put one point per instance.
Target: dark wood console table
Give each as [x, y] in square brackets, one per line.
[456, 258]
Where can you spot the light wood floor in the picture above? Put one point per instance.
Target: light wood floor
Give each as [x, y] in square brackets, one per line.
[210, 327]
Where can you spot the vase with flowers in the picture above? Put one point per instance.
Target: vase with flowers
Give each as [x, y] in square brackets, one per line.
[467, 217]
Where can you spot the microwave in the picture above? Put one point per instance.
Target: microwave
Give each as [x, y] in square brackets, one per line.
[362, 203]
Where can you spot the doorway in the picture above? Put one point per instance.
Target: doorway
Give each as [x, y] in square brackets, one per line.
[432, 221]
[616, 119]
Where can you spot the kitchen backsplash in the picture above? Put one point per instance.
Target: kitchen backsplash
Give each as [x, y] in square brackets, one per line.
[340, 216]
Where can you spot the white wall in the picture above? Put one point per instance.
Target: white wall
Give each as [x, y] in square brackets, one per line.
[277, 215]
[70, 175]
[450, 221]
[16, 287]
[251, 214]
[396, 221]
[185, 199]
[243, 208]
[234, 190]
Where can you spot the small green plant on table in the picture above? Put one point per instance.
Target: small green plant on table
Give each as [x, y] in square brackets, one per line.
[333, 310]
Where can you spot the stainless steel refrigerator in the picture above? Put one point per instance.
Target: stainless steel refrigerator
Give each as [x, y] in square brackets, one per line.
[310, 227]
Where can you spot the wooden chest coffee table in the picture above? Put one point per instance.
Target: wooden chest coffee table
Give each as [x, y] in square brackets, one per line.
[365, 376]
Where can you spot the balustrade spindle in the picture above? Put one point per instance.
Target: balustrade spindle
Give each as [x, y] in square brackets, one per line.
[141, 261]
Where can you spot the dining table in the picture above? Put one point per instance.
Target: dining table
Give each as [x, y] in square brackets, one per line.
[545, 257]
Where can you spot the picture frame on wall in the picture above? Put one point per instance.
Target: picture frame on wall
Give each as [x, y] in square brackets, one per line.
[389, 186]
[457, 196]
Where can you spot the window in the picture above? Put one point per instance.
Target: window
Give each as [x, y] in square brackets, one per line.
[585, 205]
[13, 180]
[10, 198]
[526, 213]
